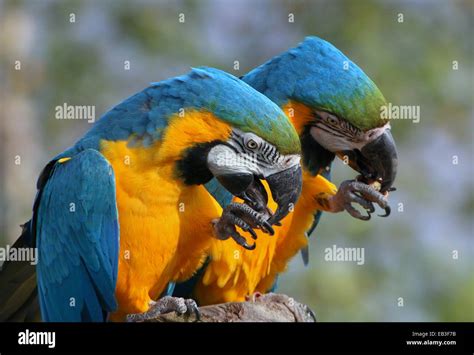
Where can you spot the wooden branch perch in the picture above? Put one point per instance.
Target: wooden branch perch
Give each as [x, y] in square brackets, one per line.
[265, 308]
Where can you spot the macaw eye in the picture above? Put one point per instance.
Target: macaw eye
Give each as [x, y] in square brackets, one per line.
[332, 121]
[251, 144]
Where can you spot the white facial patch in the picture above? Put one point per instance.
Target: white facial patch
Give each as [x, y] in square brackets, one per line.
[223, 160]
[334, 142]
[246, 152]
[284, 162]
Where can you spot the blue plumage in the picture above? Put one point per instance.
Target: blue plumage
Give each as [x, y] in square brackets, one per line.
[78, 258]
[144, 116]
[315, 74]
[219, 193]
[319, 75]
[77, 239]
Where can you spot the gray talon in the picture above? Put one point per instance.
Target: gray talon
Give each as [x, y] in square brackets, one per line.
[363, 202]
[355, 213]
[387, 212]
[252, 233]
[164, 305]
[249, 247]
[243, 216]
[192, 308]
[242, 241]
[353, 191]
[268, 227]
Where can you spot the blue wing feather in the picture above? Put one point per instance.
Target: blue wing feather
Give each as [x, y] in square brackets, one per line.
[169, 289]
[78, 240]
[146, 114]
[219, 192]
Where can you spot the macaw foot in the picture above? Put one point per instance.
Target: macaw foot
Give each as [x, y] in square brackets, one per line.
[352, 191]
[301, 312]
[164, 305]
[243, 216]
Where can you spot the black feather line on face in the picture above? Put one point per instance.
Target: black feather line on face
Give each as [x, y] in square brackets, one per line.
[315, 156]
[192, 167]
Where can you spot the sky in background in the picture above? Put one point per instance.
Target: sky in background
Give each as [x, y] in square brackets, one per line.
[424, 60]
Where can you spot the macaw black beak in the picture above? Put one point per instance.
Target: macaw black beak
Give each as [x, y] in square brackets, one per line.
[376, 161]
[247, 187]
[236, 183]
[285, 187]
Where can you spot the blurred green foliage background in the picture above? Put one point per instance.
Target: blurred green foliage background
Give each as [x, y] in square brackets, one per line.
[408, 255]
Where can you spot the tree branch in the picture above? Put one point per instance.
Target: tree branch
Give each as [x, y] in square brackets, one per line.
[264, 308]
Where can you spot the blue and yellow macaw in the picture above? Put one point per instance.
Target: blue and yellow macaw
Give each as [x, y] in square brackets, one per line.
[334, 107]
[124, 213]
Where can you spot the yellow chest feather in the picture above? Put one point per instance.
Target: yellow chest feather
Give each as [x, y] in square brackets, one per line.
[235, 272]
[165, 225]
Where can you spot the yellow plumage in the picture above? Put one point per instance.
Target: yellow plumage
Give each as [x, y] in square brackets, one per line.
[235, 272]
[165, 225]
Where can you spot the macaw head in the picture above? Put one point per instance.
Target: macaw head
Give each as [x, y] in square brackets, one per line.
[238, 136]
[336, 109]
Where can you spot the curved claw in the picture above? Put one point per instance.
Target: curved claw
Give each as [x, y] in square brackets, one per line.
[243, 216]
[366, 218]
[268, 228]
[242, 241]
[355, 213]
[364, 195]
[193, 308]
[387, 212]
[252, 233]
[197, 313]
[311, 313]
[249, 247]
